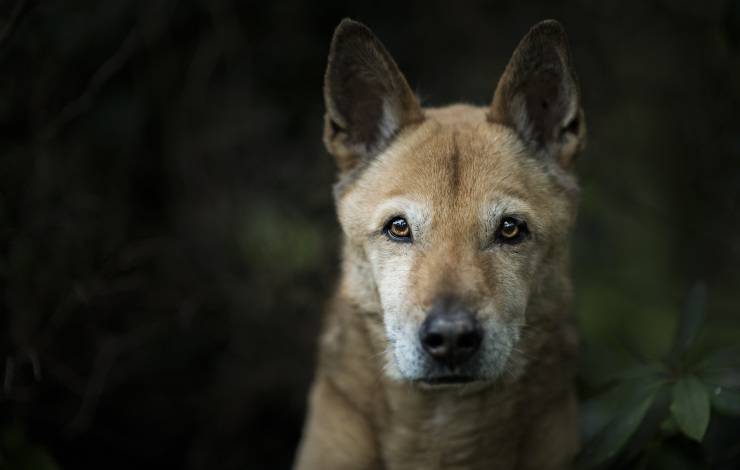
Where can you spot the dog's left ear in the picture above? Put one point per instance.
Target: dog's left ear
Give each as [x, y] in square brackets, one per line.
[539, 96]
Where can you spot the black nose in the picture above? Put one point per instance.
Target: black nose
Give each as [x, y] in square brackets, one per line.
[450, 337]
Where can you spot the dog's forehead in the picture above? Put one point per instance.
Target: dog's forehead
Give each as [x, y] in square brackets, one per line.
[456, 168]
[455, 153]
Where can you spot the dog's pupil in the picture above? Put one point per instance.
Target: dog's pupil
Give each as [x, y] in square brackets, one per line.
[509, 228]
[400, 226]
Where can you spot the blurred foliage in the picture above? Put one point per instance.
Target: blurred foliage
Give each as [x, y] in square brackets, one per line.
[168, 241]
[652, 403]
[17, 453]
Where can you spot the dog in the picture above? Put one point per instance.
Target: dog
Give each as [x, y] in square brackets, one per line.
[449, 343]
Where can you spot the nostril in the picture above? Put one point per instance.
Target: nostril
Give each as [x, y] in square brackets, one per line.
[468, 340]
[434, 340]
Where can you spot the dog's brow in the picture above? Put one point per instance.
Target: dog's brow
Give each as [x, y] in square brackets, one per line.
[502, 204]
[415, 212]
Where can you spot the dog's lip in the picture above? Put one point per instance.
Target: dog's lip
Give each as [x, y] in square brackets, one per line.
[447, 380]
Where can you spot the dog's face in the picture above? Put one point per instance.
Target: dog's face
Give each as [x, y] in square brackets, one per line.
[452, 216]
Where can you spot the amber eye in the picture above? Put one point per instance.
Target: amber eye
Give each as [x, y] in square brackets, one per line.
[511, 230]
[398, 229]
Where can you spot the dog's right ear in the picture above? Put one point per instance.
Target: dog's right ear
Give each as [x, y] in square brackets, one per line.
[368, 100]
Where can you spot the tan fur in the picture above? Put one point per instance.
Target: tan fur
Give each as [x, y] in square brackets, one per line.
[453, 175]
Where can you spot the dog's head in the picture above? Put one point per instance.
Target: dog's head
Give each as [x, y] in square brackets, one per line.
[453, 217]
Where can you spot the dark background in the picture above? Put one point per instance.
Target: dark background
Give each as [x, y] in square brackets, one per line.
[167, 233]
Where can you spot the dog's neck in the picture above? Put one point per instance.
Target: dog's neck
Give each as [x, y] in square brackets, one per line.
[451, 428]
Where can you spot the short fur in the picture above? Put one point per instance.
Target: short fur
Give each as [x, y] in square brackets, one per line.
[453, 173]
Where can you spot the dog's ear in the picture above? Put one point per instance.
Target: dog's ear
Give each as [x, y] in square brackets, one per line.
[539, 96]
[368, 101]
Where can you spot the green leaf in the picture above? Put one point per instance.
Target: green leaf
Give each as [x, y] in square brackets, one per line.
[725, 400]
[653, 372]
[668, 426]
[597, 412]
[690, 407]
[610, 440]
[723, 358]
[723, 377]
[721, 367]
[691, 319]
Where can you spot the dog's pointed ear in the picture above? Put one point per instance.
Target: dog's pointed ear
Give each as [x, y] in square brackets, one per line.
[368, 100]
[539, 95]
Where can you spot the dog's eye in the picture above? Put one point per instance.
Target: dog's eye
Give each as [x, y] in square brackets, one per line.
[511, 231]
[398, 229]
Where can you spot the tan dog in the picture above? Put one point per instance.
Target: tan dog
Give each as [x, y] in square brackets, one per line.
[449, 343]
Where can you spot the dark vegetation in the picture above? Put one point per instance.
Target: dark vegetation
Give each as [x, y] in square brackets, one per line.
[167, 236]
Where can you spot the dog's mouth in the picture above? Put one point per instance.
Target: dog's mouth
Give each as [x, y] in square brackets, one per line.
[447, 380]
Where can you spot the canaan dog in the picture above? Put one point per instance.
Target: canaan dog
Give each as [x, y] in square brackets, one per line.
[449, 343]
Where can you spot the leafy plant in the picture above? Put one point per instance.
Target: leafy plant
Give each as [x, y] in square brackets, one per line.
[646, 409]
